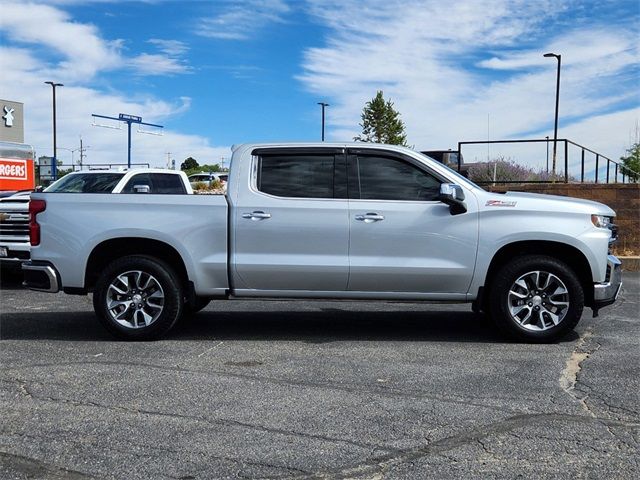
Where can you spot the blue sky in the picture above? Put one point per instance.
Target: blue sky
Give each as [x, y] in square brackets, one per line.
[216, 73]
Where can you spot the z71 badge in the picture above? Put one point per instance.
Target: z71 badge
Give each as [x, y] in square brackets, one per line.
[499, 203]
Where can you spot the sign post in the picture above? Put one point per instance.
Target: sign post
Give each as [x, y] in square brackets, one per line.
[128, 119]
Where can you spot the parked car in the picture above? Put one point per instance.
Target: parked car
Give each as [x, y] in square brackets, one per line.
[333, 221]
[144, 180]
[14, 209]
[208, 178]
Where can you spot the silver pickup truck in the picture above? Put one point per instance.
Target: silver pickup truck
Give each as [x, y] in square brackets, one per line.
[328, 221]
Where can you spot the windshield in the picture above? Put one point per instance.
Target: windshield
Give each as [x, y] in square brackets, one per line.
[86, 183]
[453, 172]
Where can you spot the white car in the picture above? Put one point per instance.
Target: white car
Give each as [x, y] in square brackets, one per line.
[14, 209]
[144, 180]
[208, 178]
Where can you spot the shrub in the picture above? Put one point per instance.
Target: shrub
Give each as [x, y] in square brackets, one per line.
[507, 170]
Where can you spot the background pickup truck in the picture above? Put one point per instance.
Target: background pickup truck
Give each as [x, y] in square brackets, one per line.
[347, 221]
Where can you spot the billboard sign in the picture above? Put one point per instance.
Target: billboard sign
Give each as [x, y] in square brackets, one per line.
[17, 174]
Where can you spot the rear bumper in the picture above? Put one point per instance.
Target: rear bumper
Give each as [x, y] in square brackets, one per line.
[40, 276]
[606, 293]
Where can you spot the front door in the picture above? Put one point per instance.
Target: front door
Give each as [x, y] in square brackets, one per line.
[402, 238]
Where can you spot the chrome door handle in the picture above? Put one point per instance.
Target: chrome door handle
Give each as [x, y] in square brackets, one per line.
[370, 217]
[257, 215]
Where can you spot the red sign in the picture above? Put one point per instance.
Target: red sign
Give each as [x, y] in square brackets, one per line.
[17, 174]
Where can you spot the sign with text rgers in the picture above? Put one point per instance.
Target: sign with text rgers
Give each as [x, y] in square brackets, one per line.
[17, 174]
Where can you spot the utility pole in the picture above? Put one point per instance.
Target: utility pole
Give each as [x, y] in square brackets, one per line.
[82, 154]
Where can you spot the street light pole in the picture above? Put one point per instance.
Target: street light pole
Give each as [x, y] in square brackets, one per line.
[54, 164]
[323, 105]
[555, 129]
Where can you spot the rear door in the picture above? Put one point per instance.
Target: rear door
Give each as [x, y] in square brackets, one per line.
[291, 223]
[402, 239]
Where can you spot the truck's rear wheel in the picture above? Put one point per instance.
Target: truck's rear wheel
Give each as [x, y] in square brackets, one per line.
[138, 298]
[536, 298]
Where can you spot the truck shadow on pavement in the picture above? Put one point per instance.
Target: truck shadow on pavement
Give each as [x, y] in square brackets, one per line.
[11, 278]
[314, 327]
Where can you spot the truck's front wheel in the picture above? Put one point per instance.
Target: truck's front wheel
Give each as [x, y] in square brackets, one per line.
[536, 298]
[138, 298]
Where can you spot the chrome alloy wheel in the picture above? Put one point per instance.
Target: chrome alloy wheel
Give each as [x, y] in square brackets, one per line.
[538, 300]
[135, 299]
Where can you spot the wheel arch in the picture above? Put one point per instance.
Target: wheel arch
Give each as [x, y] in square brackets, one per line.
[112, 249]
[568, 254]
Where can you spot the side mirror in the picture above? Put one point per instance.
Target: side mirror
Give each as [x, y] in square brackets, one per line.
[453, 195]
[141, 189]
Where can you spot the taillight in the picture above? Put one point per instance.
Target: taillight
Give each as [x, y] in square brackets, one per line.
[35, 207]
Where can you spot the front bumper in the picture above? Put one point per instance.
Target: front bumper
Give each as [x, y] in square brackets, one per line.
[606, 293]
[14, 253]
[42, 277]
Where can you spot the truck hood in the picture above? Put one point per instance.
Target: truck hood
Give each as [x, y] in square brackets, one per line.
[556, 203]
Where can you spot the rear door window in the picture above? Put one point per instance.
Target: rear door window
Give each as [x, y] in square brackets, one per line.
[297, 175]
[159, 183]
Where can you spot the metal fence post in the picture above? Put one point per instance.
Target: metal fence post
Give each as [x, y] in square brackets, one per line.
[566, 161]
[597, 161]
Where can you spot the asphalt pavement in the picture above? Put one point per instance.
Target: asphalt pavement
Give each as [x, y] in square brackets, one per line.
[273, 389]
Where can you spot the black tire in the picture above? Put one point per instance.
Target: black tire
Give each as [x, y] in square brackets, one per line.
[191, 308]
[164, 282]
[540, 327]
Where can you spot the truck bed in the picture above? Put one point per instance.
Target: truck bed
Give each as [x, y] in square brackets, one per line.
[194, 225]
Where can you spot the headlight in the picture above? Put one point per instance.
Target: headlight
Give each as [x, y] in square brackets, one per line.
[600, 221]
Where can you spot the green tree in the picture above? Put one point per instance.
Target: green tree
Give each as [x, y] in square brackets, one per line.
[381, 123]
[61, 172]
[189, 164]
[631, 162]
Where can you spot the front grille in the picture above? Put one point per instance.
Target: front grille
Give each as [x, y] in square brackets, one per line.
[14, 227]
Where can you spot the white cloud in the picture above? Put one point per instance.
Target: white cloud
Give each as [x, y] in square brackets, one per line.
[76, 55]
[242, 19]
[82, 50]
[156, 64]
[79, 50]
[174, 48]
[447, 66]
